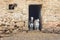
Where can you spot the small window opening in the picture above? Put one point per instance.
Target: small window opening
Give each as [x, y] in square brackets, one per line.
[12, 6]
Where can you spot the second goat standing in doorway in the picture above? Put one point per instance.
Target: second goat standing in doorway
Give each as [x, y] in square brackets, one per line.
[36, 24]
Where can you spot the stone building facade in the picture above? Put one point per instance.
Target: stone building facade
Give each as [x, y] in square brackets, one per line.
[17, 17]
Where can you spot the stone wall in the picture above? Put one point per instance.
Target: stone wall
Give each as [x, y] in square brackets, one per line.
[51, 16]
[17, 19]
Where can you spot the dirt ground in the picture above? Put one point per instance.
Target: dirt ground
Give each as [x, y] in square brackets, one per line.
[32, 35]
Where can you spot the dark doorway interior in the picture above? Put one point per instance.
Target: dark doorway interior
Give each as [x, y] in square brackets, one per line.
[35, 11]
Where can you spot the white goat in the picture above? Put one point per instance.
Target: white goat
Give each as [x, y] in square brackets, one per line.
[36, 24]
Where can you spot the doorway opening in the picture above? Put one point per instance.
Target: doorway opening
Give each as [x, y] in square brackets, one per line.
[35, 12]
